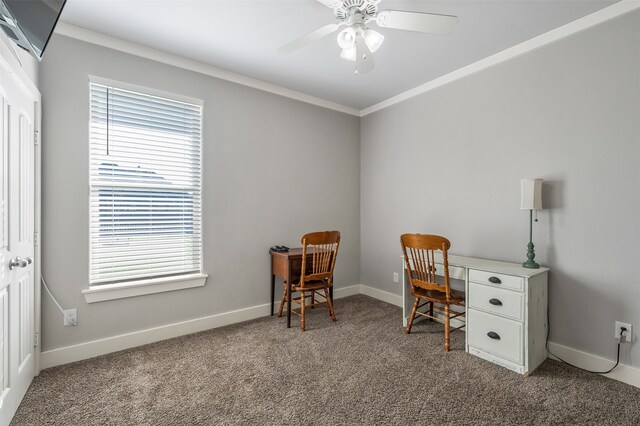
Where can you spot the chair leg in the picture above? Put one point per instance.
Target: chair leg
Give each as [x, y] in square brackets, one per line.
[303, 301]
[413, 315]
[282, 300]
[313, 299]
[431, 311]
[330, 303]
[446, 327]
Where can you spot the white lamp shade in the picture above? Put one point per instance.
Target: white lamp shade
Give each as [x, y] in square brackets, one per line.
[349, 54]
[373, 39]
[347, 38]
[531, 194]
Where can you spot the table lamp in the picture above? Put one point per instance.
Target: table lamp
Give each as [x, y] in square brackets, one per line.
[531, 199]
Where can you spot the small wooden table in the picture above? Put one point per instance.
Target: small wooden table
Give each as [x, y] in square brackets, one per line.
[288, 266]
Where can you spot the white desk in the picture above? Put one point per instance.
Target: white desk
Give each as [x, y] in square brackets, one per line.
[506, 310]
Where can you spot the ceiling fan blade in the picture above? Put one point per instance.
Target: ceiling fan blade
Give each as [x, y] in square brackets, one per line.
[416, 21]
[329, 3]
[364, 57]
[308, 38]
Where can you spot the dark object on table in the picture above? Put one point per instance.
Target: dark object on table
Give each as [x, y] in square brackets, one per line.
[280, 249]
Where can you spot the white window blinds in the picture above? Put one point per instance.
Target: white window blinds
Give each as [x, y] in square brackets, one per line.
[145, 178]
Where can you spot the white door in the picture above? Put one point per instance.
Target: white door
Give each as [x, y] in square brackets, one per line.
[17, 352]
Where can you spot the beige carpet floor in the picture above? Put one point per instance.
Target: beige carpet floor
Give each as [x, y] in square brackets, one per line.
[359, 370]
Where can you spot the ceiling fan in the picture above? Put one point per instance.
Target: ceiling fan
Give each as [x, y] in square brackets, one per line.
[357, 40]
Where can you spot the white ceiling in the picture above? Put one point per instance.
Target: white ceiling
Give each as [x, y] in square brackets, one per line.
[242, 36]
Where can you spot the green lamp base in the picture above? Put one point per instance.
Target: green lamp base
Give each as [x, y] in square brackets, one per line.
[530, 256]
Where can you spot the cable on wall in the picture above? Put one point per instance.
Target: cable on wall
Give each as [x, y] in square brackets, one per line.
[580, 368]
[46, 287]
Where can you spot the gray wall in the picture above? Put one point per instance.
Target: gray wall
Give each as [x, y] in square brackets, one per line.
[274, 169]
[449, 162]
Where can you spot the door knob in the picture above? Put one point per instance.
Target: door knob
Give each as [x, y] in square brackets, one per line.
[19, 262]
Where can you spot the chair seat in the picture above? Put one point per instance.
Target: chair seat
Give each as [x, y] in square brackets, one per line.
[309, 285]
[457, 297]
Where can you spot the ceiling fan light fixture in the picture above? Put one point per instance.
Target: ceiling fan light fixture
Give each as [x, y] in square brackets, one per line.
[349, 54]
[347, 38]
[373, 39]
[356, 41]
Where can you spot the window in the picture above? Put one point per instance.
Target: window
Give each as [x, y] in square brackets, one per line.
[145, 185]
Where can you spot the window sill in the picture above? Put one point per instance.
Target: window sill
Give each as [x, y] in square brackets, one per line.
[106, 292]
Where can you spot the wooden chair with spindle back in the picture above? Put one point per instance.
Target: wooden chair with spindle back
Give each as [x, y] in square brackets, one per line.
[319, 253]
[419, 258]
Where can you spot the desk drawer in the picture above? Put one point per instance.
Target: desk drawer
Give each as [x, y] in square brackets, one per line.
[507, 303]
[455, 272]
[499, 336]
[497, 280]
[279, 266]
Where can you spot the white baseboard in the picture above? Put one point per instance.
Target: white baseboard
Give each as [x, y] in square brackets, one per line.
[352, 290]
[385, 296]
[623, 373]
[108, 345]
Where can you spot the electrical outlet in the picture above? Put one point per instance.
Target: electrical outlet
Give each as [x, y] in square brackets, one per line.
[396, 278]
[70, 317]
[627, 334]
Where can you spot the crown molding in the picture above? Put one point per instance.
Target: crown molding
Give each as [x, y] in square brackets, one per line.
[603, 15]
[99, 39]
[617, 9]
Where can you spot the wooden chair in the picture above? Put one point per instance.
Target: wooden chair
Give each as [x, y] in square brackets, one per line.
[319, 253]
[419, 261]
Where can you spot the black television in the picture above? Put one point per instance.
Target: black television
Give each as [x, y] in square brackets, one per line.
[30, 23]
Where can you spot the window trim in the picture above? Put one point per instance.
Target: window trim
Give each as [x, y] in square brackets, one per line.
[139, 287]
[143, 89]
[104, 292]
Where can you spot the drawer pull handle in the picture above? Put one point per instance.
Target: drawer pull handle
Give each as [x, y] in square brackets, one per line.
[495, 302]
[493, 335]
[495, 280]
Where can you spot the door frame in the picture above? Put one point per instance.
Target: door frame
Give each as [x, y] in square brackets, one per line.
[37, 236]
[10, 61]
